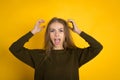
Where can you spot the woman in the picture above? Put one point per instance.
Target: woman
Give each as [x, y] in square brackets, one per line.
[61, 59]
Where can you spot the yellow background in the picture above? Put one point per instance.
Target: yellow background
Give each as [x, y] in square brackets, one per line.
[99, 18]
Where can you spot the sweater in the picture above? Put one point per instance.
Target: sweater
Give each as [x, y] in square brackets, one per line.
[61, 64]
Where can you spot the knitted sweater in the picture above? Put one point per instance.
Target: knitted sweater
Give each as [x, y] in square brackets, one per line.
[61, 64]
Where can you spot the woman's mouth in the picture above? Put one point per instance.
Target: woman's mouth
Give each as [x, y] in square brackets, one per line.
[57, 41]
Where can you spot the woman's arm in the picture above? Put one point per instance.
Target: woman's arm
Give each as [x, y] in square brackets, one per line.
[86, 54]
[18, 49]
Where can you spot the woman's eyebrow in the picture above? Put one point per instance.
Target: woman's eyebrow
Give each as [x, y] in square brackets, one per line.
[54, 28]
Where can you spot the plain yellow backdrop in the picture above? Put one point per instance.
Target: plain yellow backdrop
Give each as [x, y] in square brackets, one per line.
[99, 18]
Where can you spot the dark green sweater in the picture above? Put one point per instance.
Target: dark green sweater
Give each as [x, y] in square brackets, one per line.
[61, 64]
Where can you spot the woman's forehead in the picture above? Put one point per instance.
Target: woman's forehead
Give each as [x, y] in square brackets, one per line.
[56, 25]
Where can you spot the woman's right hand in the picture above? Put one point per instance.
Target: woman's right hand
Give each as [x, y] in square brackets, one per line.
[37, 28]
[74, 28]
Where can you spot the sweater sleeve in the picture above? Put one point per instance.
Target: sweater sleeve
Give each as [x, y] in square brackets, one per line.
[88, 53]
[22, 53]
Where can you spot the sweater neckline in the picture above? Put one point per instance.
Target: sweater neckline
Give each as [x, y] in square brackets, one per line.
[59, 51]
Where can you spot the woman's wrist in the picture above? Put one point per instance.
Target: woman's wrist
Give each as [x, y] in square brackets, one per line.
[78, 32]
[33, 32]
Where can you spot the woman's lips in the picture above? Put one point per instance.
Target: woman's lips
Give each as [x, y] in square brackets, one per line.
[57, 41]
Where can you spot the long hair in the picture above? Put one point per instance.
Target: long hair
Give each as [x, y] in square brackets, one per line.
[68, 43]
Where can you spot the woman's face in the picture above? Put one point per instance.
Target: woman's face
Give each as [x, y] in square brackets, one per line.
[57, 35]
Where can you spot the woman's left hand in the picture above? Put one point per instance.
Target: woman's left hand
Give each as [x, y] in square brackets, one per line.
[74, 27]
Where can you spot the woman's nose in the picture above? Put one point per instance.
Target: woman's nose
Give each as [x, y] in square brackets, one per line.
[56, 34]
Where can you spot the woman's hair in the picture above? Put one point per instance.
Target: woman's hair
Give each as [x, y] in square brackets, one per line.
[68, 43]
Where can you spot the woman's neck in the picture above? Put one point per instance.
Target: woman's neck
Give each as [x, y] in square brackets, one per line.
[58, 48]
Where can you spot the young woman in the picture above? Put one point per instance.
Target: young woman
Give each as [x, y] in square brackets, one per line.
[61, 59]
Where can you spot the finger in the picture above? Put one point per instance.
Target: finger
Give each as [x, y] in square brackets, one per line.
[41, 21]
[70, 20]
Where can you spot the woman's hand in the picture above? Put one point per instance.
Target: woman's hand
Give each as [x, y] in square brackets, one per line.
[74, 27]
[37, 28]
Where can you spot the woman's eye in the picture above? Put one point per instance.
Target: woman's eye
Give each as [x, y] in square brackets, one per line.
[52, 30]
[61, 30]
